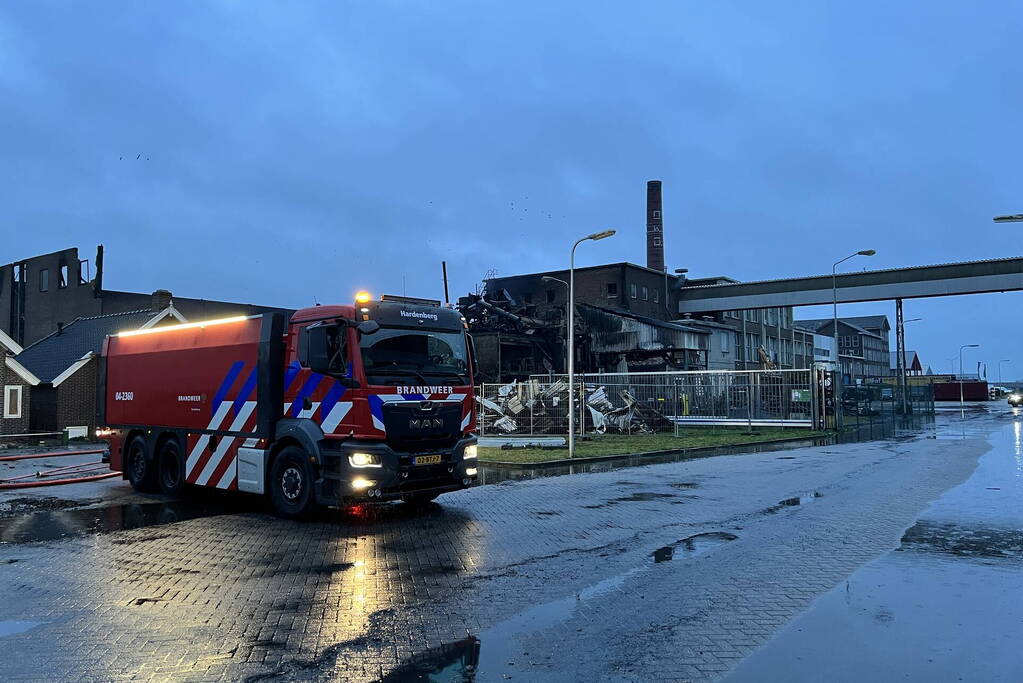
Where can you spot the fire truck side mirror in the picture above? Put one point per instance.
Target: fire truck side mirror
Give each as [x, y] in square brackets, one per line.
[368, 327]
[313, 348]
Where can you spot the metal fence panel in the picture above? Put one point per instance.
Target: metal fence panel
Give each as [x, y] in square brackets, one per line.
[647, 402]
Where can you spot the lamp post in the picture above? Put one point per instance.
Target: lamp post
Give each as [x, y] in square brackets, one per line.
[962, 404]
[1005, 360]
[571, 335]
[834, 323]
[901, 350]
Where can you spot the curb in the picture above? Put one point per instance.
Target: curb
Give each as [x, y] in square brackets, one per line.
[670, 451]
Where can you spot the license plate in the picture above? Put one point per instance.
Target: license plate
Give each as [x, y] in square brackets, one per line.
[427, 459]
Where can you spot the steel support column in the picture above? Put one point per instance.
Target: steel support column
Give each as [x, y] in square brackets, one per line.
[900, 352]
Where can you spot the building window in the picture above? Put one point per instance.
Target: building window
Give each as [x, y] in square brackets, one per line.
[528, 297]
[62, 277]
[656, 300]
[645, 292]
[551, 295]
[726, 342]
[612, 290]
[12, 401]
[632, 291]
[44, 280]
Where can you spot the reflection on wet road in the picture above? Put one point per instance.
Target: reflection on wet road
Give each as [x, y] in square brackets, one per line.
[945, 605]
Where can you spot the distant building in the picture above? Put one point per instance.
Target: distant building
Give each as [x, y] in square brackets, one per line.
[863, 344]
[913, 365]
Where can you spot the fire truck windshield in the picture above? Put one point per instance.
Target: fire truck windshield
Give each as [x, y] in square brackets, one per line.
[392, 356]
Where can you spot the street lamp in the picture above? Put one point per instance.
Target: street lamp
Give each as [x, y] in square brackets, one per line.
[1005, 360]
[962, 405]
[571, 335]
[1009, 218]
[834, 322]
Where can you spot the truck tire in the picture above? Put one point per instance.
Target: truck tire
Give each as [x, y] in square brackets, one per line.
[291, 483]
[170, 467]
[141, 472]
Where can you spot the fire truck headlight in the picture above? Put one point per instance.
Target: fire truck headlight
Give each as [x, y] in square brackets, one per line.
[364, 460]
[470, 452]
[103, 432]
[470, 471]
[360, 484]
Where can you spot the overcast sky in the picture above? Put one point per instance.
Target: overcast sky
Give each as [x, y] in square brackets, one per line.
[277, 152]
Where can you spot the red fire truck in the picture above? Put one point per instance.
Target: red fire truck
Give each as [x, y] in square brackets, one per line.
[340, 405]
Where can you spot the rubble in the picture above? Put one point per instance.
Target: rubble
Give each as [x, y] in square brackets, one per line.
[539, 407]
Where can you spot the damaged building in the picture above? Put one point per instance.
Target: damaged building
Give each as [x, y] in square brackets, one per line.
[42, 293]
[626, 320]
[54, 315]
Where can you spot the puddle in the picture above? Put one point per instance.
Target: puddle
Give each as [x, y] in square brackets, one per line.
[57, 524]
[498, 644]
[642, 496]
[10, 628]
[24, 505]
[963, 541]
[792, 502]
[450, 663]
[692, 545]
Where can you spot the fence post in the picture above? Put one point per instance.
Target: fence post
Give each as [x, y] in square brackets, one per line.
[582, 408]
[749, 410]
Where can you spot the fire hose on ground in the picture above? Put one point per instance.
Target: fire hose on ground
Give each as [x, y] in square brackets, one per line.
[67, 473]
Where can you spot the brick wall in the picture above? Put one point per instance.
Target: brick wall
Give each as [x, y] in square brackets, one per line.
[76, 398]
[10, 378]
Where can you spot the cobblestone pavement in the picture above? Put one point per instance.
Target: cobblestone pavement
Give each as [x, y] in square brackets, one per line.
[665, 572]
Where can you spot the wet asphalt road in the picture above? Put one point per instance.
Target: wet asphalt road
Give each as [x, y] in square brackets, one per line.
[946, 605]
[678, 571]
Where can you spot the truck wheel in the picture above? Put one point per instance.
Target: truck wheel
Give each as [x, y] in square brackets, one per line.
[171, 468]
[291, 483]
[141, 472]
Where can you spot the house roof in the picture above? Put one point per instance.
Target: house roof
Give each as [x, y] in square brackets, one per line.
[912, 359]
[49, 357]
[7, 343]
[860, 324]
[21, 371]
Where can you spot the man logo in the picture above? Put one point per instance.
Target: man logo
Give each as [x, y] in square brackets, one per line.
[426, 423]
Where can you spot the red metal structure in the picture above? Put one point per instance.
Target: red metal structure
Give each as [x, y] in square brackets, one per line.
[342, 404]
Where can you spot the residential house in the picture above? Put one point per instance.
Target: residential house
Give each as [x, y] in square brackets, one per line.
[63, 368]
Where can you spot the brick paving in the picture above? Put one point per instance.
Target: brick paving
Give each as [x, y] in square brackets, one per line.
[384, 593]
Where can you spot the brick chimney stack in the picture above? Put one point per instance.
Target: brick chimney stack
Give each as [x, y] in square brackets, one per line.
[161, 299]
[654, 227]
